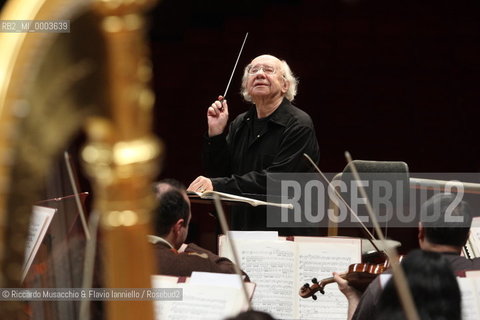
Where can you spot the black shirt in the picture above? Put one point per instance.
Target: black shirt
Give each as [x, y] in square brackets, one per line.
[257, 127]
[238, 163]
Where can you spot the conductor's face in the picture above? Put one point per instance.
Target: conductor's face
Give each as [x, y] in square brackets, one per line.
[266, 78]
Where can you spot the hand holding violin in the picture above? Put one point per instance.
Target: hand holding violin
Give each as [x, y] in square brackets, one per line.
[352, 294]
[348, 291]
[359, 276]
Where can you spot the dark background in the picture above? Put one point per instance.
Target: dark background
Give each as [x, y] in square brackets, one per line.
[385, 80]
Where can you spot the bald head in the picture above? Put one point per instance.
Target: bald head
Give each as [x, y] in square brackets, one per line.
[166, 185]
[281, 81]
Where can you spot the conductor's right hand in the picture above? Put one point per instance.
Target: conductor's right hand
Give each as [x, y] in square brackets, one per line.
[217, 116]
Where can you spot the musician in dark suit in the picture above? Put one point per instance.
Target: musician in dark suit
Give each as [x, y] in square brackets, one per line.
[270, 137]
[443, 234]
[433, 285]
[171, 218]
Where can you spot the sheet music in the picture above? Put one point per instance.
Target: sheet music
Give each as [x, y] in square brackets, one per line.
[472, 274]
[473, 242]
[199, 302]
[470, 307]
[208, 195]
[39, 222]
[318, 260]
[257, 235]
[270, 264]
[384, 278]
[281, 267]
[220, 279]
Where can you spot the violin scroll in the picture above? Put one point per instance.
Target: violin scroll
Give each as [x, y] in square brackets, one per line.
[307, 291]
[359, 276]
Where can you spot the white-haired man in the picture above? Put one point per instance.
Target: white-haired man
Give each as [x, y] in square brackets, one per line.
[270, 137]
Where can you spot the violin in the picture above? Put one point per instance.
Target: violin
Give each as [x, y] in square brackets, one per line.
[359, 276]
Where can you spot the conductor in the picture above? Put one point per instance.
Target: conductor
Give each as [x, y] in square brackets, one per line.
[270, 137]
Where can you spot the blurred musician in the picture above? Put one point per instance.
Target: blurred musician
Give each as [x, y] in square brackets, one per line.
[433, 285]
[440, 235]
[172, 217]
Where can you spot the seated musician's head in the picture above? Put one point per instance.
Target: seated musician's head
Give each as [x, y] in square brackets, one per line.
[433, 285]
[162, 186]
[445, 223]
[172, 214]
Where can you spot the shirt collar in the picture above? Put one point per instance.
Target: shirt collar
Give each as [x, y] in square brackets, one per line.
[156, 239]
[280, 116]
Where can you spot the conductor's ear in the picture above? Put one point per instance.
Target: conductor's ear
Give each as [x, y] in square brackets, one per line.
[285, 85]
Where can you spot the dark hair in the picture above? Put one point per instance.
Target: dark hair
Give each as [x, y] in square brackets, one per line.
[435, 213]
[433, 286]
[171, 207]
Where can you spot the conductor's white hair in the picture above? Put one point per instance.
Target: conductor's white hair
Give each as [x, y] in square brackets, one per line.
[287, 75]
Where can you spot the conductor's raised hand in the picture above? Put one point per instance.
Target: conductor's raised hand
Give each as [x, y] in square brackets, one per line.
[217, 116]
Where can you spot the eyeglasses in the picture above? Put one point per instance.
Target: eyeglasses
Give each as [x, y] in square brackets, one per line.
[266, 69]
